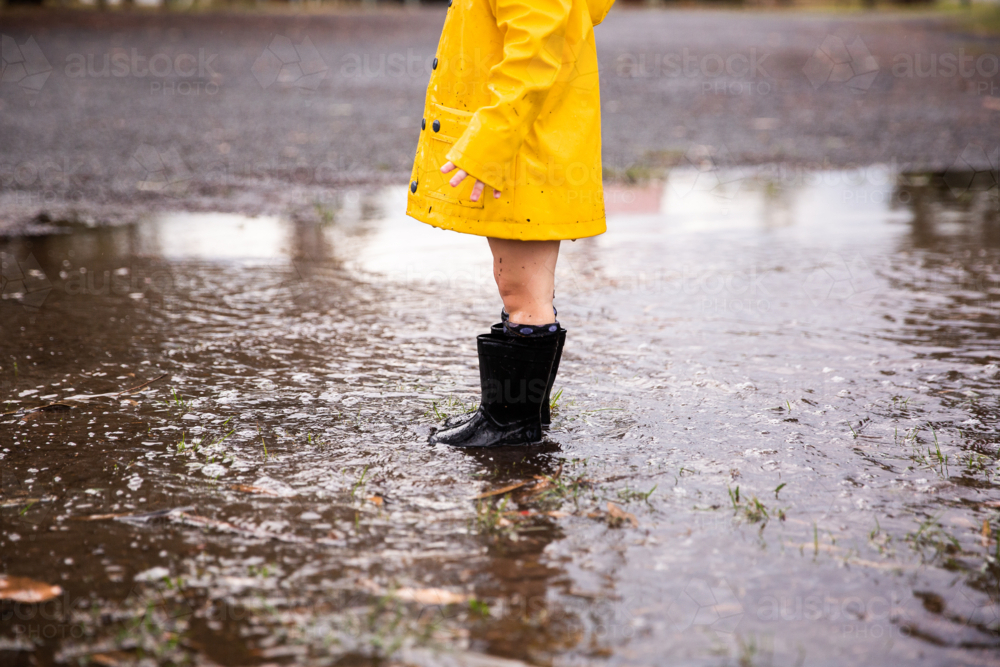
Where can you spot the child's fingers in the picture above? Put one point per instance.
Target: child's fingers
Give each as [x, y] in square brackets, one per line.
[457, 178]
[447, 166]
[496, 194]
[477, 190]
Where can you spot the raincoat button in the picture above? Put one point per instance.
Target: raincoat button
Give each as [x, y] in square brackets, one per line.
[413, 186]
[434, 64]
[423, 123]
[436, 125]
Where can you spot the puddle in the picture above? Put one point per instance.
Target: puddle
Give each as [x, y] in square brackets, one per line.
[776, 441]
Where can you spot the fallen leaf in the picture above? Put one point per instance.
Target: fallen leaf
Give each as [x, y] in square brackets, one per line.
[377, 500]
[246, 488]
[22, 589]
[617, 516]
[112, 659]
[542, 484]
[430, 596]
[986, 532]
[369, 586]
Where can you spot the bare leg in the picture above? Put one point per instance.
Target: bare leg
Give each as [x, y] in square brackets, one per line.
[525, 275]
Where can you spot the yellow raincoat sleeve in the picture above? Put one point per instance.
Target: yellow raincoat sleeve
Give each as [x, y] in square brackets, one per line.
[532, 57]
[599, 9]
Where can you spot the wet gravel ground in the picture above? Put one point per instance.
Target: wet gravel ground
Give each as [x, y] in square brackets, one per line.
[220, 112]
[776, 441]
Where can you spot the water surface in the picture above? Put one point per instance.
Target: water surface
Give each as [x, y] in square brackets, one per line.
[776, 441]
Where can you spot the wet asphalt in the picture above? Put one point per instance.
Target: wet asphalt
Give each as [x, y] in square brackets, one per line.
[123, 113]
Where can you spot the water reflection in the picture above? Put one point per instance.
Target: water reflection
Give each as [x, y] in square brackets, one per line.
[944, 214]
[215, 236]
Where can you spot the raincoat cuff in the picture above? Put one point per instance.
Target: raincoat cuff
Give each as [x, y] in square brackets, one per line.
[490, 174]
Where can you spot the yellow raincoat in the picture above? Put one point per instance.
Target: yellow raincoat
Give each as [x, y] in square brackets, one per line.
[514, 100]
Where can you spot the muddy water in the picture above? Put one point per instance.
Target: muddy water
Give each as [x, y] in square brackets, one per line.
[776, 441]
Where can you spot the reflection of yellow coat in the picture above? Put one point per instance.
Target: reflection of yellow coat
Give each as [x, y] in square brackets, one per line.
[514, 100]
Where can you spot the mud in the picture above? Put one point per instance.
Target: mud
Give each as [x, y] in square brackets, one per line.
[776, 441]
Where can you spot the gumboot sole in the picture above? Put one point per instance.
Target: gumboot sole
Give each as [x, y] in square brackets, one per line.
[486, 435]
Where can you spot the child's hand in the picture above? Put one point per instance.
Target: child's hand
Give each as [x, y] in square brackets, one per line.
[460, 175]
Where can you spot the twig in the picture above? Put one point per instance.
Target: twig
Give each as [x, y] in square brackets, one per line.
[47, 406]
[129, 391]
[497, 492]
[81, 397]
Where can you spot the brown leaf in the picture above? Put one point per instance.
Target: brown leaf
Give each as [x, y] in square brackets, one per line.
[617, 516]
[246, 488]
[376, 500]
[110, 659]
[986, 532]
[542, 484]
[22, 589]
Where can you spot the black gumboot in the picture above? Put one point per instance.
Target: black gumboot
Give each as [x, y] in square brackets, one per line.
[513, 375]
